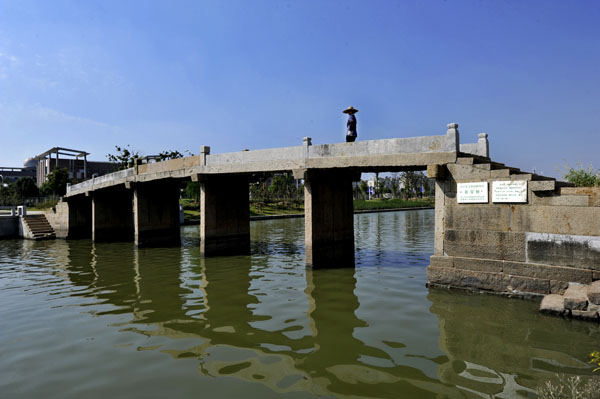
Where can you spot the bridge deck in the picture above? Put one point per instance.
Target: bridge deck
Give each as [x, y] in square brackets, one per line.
[364, 156]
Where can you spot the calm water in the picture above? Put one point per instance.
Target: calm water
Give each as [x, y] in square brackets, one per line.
[108, 320]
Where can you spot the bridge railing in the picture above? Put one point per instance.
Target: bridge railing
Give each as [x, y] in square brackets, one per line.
[169, 165]
[297, 155]
[89, 184]
[423, 144]
[271, 154]
[383, 153]
[481, 148]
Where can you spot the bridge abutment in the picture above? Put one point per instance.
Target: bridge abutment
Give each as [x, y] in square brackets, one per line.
[537, 241]
[156, 213]
[329, 219]
[112, 215]
[224, 215]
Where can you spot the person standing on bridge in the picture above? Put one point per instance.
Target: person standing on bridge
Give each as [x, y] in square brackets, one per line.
[351, 124]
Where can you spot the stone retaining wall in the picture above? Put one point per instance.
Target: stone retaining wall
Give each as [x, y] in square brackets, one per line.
[531, 248]
[58, 217]
[9, 226]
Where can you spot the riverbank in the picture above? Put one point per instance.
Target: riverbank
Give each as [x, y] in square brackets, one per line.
[278, 211]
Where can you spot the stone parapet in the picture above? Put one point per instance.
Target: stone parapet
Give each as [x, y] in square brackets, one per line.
[368, 155]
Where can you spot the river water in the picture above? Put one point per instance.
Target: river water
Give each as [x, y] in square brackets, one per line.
[88, 320]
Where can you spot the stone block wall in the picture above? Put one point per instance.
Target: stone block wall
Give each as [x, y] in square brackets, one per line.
[527, 249]
[9, 226]
[58, 217]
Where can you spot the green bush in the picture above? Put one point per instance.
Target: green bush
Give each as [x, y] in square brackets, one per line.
[595, 360]
[583, 177]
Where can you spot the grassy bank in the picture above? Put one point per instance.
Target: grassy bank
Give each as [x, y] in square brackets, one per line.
[275, 209]
[395, 203]
[191, 209]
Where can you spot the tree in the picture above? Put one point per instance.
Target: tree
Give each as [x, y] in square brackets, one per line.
[165, 155]
[364, 189]
[395, 180]
[8, 195]
[283, 187]
[192, 190]
[26, 187]
[412, 182]
[124, 158]
[56, 182]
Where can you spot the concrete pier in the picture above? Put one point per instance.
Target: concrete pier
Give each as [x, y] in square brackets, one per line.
[329, 219]
[156, 213]
[112, 215]
[224, 215]
[79, 219]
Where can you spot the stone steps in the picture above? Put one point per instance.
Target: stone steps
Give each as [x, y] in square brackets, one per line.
[501, 169]
[38, 227]
[579, 301]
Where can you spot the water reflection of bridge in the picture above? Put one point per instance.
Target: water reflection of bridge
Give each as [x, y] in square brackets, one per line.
[232, 312]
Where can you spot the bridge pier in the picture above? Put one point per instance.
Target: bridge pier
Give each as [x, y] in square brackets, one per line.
[79, 221]
[112, 216]
[329, 219]
[224, 215]
[156, 213]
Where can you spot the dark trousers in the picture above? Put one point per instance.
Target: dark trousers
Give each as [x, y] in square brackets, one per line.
[350, 139]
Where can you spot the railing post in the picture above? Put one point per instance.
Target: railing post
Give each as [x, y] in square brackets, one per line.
[306, 142]
[452, 137]
[483, 145]
[204, 152]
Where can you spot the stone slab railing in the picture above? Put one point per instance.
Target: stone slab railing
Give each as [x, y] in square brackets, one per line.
[481, 148]
[362, 155]
[101, 181]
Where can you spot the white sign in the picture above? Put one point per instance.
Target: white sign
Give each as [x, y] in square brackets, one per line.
[509, 191]
[472, 193]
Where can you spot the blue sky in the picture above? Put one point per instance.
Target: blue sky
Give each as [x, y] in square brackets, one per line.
[257, 74]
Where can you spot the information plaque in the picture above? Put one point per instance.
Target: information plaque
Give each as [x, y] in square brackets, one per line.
[509, 191]
[472, 193]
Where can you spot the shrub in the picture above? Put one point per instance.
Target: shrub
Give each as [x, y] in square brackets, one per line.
[573, 387]
[583, 177]
[595, 360]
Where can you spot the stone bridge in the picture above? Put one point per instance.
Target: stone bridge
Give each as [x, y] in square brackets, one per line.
[527, 235]
[141, 203]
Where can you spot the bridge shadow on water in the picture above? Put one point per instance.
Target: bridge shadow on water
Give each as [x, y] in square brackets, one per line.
[267, 321]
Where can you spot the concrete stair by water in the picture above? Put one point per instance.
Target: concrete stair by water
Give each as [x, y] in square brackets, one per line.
[39, 227]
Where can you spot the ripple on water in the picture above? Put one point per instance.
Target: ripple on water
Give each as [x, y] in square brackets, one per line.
[97, 320]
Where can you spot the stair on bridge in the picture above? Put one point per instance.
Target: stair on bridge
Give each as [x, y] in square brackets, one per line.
[487, 164]
[39, 227]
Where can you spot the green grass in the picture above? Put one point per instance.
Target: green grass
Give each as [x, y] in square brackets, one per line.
[41, 206]
[275, 209]
[377, 204]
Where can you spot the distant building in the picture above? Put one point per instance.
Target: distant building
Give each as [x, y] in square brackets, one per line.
[11, 174]
[74, 161]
